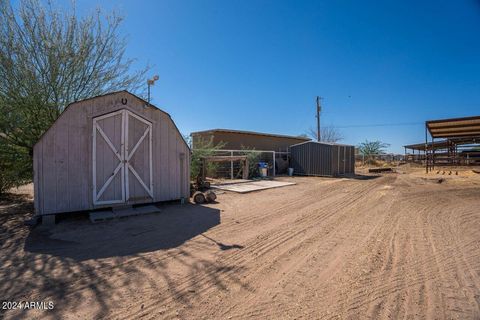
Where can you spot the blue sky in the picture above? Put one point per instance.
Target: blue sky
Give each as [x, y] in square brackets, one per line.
[382, 67]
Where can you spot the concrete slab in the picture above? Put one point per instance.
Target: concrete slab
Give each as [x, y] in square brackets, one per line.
[146, 209]
[104, 215]
[229, 181]
[122, 208]
[245, 187]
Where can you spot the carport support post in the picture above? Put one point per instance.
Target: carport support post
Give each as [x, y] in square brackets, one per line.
[433, 153]
[457, 160]
[426, 148]
[231, 166]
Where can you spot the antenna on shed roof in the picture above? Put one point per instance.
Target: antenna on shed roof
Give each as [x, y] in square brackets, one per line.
[151, 82]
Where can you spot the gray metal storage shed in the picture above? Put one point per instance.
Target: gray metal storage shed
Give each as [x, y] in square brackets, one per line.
[106, 151]
[313, 158]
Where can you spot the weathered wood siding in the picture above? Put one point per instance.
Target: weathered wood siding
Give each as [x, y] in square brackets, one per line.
[63, 178]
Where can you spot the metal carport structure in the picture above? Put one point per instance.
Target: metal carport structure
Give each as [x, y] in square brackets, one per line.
[418, 150]
[457, 132]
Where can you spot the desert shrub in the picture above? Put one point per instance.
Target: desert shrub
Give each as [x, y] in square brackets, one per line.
[15, 166]
[253, 159]
[203, 148]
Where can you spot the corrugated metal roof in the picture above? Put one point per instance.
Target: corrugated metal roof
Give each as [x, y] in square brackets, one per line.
[421, 146]
[212, 131]
[455, 127]
[322, 142]
[444, 143]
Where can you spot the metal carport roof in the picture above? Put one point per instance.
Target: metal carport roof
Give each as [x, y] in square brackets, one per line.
[421, 146]
[443, 144]
[454, 128]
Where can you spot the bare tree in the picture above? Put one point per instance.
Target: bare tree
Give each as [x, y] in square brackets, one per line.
[51, 58]
[327, 134]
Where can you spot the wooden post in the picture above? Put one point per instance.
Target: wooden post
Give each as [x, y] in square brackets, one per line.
[245, 169]
[274, 163]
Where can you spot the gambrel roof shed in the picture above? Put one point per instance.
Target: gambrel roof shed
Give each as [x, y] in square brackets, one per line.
[106, 151]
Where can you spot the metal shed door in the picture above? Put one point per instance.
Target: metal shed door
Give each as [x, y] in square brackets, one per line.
[122, 158]
[341, 157]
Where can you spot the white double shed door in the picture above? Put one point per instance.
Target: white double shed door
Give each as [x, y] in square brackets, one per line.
[122, 159]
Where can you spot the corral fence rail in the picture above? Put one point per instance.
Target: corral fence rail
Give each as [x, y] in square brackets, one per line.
[276, 161]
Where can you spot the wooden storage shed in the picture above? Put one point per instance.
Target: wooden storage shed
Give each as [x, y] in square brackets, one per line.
[313, 158]
[106, 151]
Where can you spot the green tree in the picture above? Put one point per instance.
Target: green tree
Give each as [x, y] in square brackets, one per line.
[371, 148]
[14, 166]
[48, 59]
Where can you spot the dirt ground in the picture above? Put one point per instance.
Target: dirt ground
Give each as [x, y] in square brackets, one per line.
[399, 245]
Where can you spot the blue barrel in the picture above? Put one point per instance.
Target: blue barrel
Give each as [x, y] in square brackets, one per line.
[263, 165]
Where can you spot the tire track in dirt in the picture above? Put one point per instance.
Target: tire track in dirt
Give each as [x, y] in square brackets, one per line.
[354, 249]
[263, 246]
[309, 241]
[406, 284]
[398, 246]
[390, 290]
[315, 247]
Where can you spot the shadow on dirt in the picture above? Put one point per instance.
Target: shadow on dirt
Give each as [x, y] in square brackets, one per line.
[82, 240]
[13, 209]
[223, 246]
[361, 177]
[88, 270]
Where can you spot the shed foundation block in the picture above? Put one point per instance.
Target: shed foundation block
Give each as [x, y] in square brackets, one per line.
[48, 220]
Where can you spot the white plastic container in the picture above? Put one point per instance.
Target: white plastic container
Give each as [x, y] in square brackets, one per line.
[263, 172]
[290, 172]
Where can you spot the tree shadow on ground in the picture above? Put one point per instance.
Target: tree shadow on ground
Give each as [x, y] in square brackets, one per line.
[82, 240]
[361, 177]
[93, 270]
[223, 246]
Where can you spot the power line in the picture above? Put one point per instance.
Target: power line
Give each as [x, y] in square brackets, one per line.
[400, 124]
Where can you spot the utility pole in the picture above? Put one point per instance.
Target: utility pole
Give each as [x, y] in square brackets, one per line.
[319, 109]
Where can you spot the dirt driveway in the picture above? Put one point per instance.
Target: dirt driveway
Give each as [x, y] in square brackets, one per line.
[388, 247]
